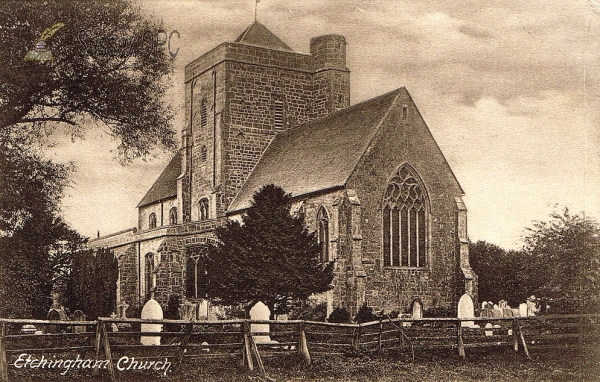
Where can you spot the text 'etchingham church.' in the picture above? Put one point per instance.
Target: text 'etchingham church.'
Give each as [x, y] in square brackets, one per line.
[368, 178]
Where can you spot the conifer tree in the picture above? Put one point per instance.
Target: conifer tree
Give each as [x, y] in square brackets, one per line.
[271, 257]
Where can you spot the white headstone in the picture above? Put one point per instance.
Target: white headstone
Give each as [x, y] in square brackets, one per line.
[417, 310]
[489, 332]
[151, 311]
[523, 309]
[203, 310]
[261, 312]
[466, 310]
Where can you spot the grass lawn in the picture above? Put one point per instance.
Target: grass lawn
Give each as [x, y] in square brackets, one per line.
[492, 364]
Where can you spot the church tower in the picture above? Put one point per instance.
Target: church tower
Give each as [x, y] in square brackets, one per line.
[238, 97]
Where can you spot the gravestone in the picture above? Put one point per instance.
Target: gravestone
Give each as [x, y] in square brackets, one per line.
[122, 310]
[523, 309]
[417, 310]
[78, 316]
[466, 310]
[187, 311]
[151, 311]
[489, 332]
[261, 312]
[53, 315]
[203, 310]
[532, 308]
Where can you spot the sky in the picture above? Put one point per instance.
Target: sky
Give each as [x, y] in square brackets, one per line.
[509, 89]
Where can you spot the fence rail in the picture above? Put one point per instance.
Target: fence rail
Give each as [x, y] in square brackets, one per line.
[108, 339]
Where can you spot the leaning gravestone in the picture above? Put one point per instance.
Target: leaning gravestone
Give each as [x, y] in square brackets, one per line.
[261, 312]
[151, 311]
[466, 310]
[78, 316]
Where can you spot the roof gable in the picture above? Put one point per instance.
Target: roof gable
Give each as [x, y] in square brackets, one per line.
[258, 34]
[320, 154]
[165, 186]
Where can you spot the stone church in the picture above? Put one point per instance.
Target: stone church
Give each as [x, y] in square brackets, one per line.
[368, 178]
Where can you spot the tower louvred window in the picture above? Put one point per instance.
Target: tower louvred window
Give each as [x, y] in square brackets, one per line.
[404, 221]
[279, 111]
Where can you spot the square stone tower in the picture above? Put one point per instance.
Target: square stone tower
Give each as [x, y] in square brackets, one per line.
[238, 97]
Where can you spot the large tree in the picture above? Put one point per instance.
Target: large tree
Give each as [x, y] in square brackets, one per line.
[107, 67]
[92, 283]
[108, 70]
[502, 274]
[565, 253]
[271, 257]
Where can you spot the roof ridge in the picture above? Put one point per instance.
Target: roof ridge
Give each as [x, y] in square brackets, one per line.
[347, 109]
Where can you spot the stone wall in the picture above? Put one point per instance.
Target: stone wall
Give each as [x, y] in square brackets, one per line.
[408, 140]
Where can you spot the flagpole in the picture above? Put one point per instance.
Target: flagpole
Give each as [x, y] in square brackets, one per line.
[255, 9]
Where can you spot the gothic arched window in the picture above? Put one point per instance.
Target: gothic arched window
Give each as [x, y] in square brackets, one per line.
[405, 221]
[149, 273]
[152, 221]
[323, 233]
[203, 209]
[173, 216]
[196, 280]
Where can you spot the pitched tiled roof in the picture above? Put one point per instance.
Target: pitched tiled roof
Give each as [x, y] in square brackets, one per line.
[317, 155]
[258, 34]
[165, 186]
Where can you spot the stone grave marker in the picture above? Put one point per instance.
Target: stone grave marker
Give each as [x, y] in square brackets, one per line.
[523, 309]
[489, 332]
[78, 316]
[466, 310]
[151, 311]
[417, 310]
[261, 312]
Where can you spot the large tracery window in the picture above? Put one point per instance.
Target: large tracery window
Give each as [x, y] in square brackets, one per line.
[405, 221]
[323, 233]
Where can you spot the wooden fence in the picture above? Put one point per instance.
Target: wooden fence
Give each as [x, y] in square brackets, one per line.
[107, 341]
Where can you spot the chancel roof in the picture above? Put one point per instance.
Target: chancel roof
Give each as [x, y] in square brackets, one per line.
[318, 155]
[257, 34]
[165, 186]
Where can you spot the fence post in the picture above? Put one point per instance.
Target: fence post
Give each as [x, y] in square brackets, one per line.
[523, 340]
[3, 363]
[247, 351]
[303, 345]
[515, 333]
[459, 339]
[184, 342]
[357, 338]
[111, 368]
[97, 341]
[380, 334]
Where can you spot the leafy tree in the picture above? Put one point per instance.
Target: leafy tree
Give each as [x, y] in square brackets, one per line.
[92, 284]
[271, 257]
[107, 68]
[30, 188]
[502, 274]
[566, 253]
